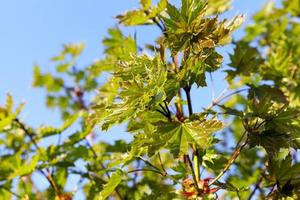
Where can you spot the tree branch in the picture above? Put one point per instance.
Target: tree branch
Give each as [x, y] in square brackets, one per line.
[30, 134]
[50, 179]
[257, 186]
[101, 163]
[150, 170]
[78, 98]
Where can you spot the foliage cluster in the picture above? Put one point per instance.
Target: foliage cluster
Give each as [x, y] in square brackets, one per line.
[244, 145]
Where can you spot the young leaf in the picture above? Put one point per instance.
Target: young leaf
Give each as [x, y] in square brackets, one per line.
[24, 168]
[48, 131]
[109, 187]
[146, 4]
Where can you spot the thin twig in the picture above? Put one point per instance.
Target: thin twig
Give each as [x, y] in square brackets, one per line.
[240, 140]
[30, 134]
[136, 174]
[150, 170]
[82, 106]
[154, 19]
[149, 163]
[101, 163]
[234, 156]
[222, 97]
[11, 192]
[50, 179]
[96, 156]
[161, 26]
[257, 186]
[166, 112]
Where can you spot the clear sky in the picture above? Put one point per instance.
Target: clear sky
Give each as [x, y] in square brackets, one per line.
[32, 31]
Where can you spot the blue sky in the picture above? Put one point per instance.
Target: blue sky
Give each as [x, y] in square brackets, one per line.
[32, 31]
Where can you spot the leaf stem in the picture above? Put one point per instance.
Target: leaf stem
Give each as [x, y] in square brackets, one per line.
[222, 97]
[257, 186]
[157, 22]
[161, 163]
[161, 112]
[136, 174]
[167, 107]
[150, 164]
[187, 90]
[166, 112]
[197, 163]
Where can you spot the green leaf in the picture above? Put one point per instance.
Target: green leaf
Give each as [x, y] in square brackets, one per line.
[142, 16]
[63, 67]
[24, 168]
[109, 187]
[78, 136]
[59, 57]
[6, 121]
[4, 190]
[177, 136]
[266, 91]
[200, 131]
[146, 4]
[9, 104]
[141, 83]
[134, 17]
[271, 140]
[7, 114]
[161, 6]
[282, 170]
[51, 83]
[218, 6]
[245, 60]
[189, 29]
[232, 111]
[46, 131]
[74, 49]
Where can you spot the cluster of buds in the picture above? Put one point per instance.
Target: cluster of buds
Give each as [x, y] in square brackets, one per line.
[189, 190]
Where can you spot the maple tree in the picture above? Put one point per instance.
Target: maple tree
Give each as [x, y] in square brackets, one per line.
[242, 146]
